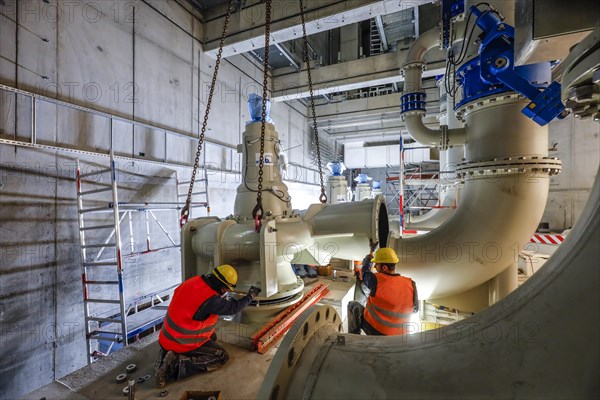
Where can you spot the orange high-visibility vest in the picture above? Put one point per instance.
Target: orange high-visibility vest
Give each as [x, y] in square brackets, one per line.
[180, 332]
[391, 307]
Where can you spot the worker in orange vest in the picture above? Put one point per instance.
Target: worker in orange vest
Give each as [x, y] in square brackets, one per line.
[392, 297]
[187, 339]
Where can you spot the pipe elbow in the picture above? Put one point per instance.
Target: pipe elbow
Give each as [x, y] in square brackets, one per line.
[434, 137]
[422, 45]
[421, 133]
[412, 66]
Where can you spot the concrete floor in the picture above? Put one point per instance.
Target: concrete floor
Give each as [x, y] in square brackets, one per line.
[240, 378]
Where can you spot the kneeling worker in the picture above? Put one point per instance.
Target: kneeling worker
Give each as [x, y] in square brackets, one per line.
[187, 338]
[392, 298]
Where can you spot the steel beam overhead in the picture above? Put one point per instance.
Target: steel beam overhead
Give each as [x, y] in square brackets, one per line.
[381, 30]
[246, 28]
[284, 52]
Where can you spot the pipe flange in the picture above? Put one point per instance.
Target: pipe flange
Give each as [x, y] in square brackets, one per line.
[509, 165]
[581, 78]
[463, 111]
[419, 113]
[258, 305]
[316, 324]
[413, 64]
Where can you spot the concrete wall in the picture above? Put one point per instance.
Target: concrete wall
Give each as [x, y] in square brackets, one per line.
[577, 144]
[149, 68]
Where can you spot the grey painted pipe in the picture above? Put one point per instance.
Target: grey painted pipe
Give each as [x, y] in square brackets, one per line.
[413, 72]
[496, 216]
[539, 342]
[263, 258]
[449, 160]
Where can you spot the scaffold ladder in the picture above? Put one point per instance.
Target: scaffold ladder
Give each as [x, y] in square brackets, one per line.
[89, 184]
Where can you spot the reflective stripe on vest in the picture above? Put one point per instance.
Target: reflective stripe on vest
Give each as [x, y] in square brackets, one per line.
[184, 331]
[180, 332]
[179, 340]
[390, 309]
[372, 307]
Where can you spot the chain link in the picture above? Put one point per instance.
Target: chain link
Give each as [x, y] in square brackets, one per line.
[258, 211]
[185, 211]
[323, 196]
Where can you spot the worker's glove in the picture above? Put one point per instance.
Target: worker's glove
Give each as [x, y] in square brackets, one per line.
[253, 292]
[372, 245]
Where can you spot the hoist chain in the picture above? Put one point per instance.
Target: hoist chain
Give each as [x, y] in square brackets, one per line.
[258, 211]
[323, 196]
[185, 211]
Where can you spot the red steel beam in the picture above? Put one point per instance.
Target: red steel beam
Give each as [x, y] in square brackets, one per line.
[270, 334]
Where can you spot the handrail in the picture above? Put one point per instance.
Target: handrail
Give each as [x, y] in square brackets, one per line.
[114, 117]
[162, 130]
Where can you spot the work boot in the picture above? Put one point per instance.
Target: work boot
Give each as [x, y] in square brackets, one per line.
[161, 373]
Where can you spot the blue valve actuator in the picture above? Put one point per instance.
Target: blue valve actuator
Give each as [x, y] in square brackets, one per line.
[363, 178]
[336, 167]
[255, 108]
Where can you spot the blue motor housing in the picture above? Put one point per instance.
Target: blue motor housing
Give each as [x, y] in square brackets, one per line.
[474, 87]
[493, 72]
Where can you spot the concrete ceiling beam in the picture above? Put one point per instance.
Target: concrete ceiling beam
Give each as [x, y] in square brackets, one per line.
[392, 130]
[360, 108]
[247, 29]
[367, 133]
[357, 74]
[376, 121]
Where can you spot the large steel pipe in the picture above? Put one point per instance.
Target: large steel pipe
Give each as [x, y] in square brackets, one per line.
[263, 253]
[506, 173]
[500, 206]
[514, 349]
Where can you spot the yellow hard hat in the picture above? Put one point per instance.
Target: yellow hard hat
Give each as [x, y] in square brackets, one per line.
[226, 274]
[385, 255]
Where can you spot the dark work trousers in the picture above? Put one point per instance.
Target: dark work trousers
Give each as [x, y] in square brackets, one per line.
[356, 320]
[208, 357]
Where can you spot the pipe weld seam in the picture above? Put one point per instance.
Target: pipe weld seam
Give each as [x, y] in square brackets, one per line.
[414, 64]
